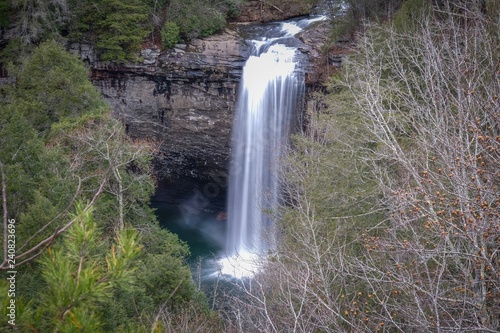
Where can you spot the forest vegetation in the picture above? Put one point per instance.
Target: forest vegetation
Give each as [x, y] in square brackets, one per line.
[390, 220]
[117, 28]
[90, 254]
[391, 217]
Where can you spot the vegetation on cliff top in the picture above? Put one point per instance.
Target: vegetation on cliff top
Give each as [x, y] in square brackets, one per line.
[118, 28]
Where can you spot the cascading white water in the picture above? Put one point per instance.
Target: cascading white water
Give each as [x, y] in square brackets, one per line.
[266, 102]
[269, 91]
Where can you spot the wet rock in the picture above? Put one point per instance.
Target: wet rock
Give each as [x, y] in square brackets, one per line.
[315, 37]
[149, 56]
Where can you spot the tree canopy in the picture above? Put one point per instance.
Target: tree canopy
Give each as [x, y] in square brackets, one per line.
[117, 28]
[90, 254]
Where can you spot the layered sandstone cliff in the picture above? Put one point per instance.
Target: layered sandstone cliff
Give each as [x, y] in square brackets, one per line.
[184, 100]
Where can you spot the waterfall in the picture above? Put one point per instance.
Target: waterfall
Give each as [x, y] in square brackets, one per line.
[270, 88]
[266, 102]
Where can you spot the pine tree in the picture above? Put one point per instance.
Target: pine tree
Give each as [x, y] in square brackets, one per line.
[81, 273]
[121, 29]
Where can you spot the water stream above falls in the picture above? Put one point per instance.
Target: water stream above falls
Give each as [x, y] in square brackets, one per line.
[271, 94]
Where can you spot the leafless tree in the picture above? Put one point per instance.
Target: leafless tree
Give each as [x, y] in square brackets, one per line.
[425, 257]
[38, 17]
[99, 155]
[431, 98]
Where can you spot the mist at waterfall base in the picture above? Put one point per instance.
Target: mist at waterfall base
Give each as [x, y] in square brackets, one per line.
[195, 222]
[272, 85]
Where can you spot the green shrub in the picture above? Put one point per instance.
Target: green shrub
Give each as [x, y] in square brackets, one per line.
[170, 35]
[52, 85]
[118, 27]
[122, 30]
[196, 18]
[233, 8]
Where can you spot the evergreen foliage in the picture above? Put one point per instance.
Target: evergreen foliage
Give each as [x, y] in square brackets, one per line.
[92, 270]
[5, 7]
[170, 34]
[345, 27]
[52, 85]
[118, 28]
[372, 9]
[337, 186]
[121, 28]
[36, 20]
[80, 274]
[410, 13]
[196, 18]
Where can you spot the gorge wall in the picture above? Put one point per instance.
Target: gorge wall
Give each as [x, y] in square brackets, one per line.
[184, 100]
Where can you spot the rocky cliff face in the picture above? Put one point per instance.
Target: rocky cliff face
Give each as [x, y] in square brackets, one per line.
[184, 100]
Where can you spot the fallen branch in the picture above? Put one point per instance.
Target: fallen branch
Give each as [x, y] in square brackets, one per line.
[271, 5]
